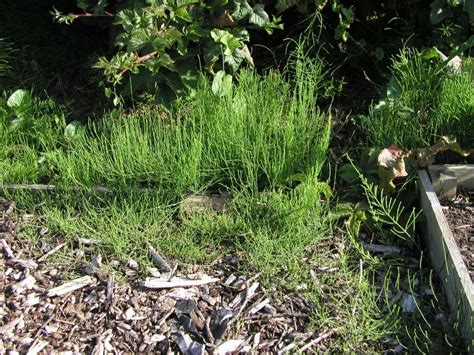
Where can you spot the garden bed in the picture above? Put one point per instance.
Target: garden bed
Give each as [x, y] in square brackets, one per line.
[444, 252]
[84, 309]
[459, 212]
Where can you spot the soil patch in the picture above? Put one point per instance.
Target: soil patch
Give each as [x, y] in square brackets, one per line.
[459, 212]
[83, 308]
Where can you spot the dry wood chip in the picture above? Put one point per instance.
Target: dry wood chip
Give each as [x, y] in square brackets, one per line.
[51, 252]
[133, 265]
[26, 284]
[180, 294]
[231, 346]
[244, 296]
[377, 248]
[25, 264]
[129, 314]
[316, 341]
[87, 241]
[32, 300]
[259, 306]
[187, 345]
[70, 286]
[8, 251]
[37, 347]
[162, 283]
[230, 280]
[159, 261]
[256, 340]
[110, 289]
[155, 338]
[8, 328]
[94, 265]
[153, 271]
[103, 345]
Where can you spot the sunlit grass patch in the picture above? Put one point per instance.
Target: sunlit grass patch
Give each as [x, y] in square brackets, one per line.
[426, 99]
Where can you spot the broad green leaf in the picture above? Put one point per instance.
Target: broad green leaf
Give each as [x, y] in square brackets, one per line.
[227, 39]
[439, 12]
[274, 24]
[347, 173]
[379, 53]
[455, 3]
[73, 129]
[18, 99]
[234, 59]
[259, 17]
[381, 106]
[241, 34]
[393, 89]
[469, 8]
[248, 56]
[348, 13]
[222, 83]
[183, 14]
[242, 9]
[283, 5]
[430, 53]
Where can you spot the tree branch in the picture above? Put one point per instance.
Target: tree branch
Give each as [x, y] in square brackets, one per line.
[140, 60]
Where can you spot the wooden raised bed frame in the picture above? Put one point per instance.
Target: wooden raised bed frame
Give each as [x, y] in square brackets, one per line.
[442, 247]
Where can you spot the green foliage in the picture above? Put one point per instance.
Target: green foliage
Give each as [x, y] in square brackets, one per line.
[162, 45]
[263, 133]
[454, 19]
[426, 98]
[346, 15]
[29, 127]
[388, 215]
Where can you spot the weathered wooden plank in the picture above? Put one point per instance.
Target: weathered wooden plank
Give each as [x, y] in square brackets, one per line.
[464, 174]
[444, 181]
[447, 260]
[446, 178]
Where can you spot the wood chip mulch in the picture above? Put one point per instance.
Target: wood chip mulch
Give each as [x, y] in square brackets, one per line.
[45, 308]
[459, 212]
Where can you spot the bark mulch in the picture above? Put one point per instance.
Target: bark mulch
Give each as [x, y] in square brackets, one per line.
[44, 307]
[459, 212]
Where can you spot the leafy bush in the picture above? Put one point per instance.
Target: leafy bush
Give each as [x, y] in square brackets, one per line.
[163, 44]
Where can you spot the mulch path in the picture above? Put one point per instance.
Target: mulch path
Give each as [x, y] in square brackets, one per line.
[459, 212]
[45, 308]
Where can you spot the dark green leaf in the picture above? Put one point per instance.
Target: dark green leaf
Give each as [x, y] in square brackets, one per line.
[259, 17]
[242, 9]
[222, 83]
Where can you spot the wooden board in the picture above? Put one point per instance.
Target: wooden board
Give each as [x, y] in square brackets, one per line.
[447, 178]
[447, 260]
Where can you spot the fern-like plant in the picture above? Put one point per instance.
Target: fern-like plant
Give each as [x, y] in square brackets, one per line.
[387, 213]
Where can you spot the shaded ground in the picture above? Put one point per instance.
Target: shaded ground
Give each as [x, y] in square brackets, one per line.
[105, 315]
[459, 212]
